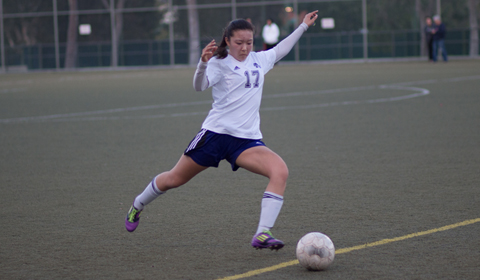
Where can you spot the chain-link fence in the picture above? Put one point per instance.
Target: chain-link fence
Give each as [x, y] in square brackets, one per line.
[57, 34]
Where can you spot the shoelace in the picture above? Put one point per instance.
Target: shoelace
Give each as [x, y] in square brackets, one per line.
[132, 216]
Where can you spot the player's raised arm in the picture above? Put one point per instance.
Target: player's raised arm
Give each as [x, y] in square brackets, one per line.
[286, 45]
[200, 80]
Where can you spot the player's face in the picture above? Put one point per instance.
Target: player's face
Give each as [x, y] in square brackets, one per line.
[240, 44]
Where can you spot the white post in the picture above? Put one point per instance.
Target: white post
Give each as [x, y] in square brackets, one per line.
[4, 68]
[114, 62]
[365, 30]
[439, 7]
[55, 31]
[234, 9]
[473, 22]
[297, 45]
[171, 38]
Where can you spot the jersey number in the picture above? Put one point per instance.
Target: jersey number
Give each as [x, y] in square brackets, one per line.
[256, 74]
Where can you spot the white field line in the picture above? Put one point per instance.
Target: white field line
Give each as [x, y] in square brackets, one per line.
[89, 115]
[12, 90]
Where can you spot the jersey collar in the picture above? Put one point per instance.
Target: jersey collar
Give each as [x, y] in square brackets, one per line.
[234, 64]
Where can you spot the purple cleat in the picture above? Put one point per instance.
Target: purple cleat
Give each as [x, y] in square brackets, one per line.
[132, 219]
[266, 240]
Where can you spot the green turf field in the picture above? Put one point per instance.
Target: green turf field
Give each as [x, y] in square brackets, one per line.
[377, 152]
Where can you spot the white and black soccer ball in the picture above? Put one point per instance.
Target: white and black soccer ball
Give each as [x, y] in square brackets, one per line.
[315, 251]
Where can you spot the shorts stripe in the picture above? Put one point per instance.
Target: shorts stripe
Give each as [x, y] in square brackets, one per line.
[195, 141]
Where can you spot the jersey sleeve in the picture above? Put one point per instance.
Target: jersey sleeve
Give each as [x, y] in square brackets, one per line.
[214, 71]
[286, 45]
[206, 75]
[200, 80]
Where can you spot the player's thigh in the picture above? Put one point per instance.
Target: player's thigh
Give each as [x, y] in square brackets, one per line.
[263, 161]
[185, 169]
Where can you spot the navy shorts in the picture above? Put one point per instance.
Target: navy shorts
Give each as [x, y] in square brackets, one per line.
[209, 148]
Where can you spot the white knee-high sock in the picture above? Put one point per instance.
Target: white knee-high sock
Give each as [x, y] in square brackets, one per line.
[148, 195]
[271, 205]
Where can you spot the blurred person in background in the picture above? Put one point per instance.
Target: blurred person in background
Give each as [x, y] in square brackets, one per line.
[439, 38]
[270, 34]
[429, 36]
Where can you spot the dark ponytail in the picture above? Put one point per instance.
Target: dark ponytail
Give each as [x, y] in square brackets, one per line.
[222, 51]
[238, 24]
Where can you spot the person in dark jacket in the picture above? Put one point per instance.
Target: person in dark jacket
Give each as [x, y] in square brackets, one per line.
[429, 36]
[439, 39]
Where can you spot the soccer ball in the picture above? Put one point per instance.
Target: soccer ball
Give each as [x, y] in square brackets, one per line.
[315, 251]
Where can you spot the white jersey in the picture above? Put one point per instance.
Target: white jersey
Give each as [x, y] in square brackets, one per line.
[237, 94]
[237, 88]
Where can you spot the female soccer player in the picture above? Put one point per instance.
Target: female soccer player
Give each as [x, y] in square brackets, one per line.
[231, 130]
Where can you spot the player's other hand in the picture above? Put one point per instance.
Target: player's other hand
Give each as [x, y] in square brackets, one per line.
[310, 18]
[208, 51]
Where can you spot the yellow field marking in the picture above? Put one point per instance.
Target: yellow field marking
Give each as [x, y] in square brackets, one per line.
[350, 249]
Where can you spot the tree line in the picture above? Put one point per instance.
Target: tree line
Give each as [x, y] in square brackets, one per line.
[29, 22]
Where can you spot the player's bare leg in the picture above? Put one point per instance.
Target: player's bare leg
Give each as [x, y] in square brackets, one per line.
[184, 170]
[263, 161]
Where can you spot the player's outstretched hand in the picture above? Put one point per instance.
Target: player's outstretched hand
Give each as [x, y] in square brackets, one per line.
[208, 51]
[310, 18]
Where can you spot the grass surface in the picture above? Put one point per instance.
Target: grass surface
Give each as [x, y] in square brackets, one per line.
[375, 151]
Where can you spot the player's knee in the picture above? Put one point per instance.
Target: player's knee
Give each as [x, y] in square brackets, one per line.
[280, 172]
[170, 180]
[284, 173]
